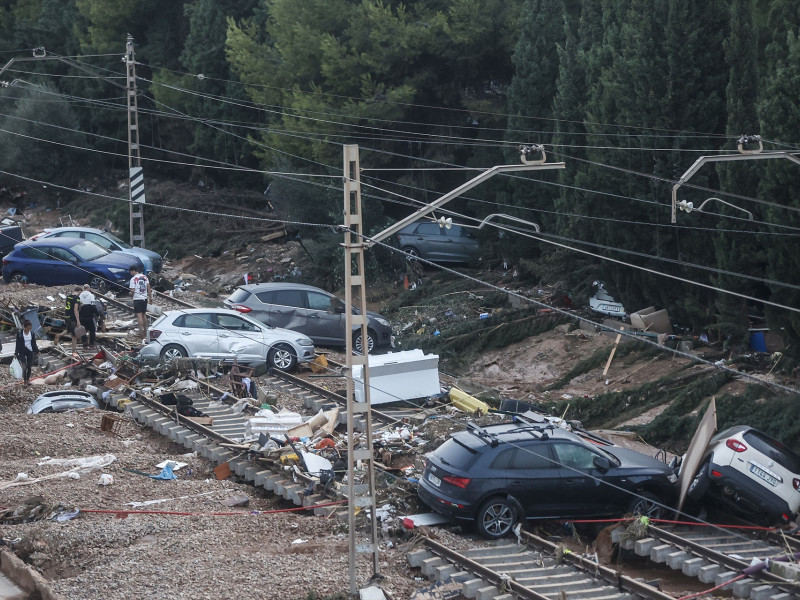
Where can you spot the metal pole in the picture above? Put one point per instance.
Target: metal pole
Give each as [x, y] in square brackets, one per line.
[136, 179]
[361, 496]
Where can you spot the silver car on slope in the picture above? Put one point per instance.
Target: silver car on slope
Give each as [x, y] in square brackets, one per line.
[226, 335]
[62, 401]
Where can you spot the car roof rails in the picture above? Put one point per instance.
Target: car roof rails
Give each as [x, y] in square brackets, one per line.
[482, 434]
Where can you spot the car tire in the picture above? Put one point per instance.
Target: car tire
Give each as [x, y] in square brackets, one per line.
[282, 357]
[646, 504]
[99, 284]
[700, 483]
[18, 277]
[496, 518]
[172, 351]
[358, 345]
[412, 253]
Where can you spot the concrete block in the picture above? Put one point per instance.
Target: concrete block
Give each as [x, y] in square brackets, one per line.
[470, 587]
[191, 439]
[238, 466]
[790, 571]
[743, 587]
[659, 553]
[643, 546]
[416, 557]
[428, 566]
[723, 577]
[761, 592]
[443, 572]
[675, 560]
[783, 596]
[692, 566]
[617, 535]
[271, 480]
[708, 573]
[250, 472]
[486, 593]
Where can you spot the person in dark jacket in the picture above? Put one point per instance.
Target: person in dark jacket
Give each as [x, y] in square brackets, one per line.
[88, 313]
[26, 349]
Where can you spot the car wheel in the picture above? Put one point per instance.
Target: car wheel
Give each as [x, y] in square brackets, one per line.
[358, 343]
[99, 284]
[700, 483]
[495, 518]
[646, 504]
[412, 253]
[282, 357]
[171, 352]
[19, 278]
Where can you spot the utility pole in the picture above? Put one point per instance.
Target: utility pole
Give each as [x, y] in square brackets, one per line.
[360, 496]
[136, 177]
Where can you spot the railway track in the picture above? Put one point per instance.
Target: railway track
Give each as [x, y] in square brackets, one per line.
[718, 557]
[533, 570]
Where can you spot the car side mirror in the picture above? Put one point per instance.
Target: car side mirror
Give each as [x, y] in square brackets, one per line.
[601, 463]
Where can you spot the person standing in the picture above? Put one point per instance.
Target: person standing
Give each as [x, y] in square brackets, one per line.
[87, 314]
[26, 349]
[142, 294]
[71, 315]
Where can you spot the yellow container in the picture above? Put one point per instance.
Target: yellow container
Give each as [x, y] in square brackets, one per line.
[467, 403]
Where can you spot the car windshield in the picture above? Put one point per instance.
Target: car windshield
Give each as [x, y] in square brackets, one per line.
[89, 250]
[115, 239]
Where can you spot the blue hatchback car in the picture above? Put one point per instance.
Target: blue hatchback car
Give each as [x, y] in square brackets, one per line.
[66, 261]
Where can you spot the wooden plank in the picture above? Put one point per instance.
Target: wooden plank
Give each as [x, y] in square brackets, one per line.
[613, 351]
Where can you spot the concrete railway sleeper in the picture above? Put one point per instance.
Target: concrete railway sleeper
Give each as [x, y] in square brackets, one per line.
[715, 557]
[533, 570]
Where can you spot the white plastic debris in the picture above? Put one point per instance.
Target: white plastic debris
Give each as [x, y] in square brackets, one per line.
[105, 479]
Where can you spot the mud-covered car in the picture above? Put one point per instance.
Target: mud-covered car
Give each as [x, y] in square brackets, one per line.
[308, 310]
[226, 335]
[62, 401]
[497, 475]
[750, 474]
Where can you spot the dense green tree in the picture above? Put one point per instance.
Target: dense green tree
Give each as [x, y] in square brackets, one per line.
[738, 252]
[28, 118]
[780, 121]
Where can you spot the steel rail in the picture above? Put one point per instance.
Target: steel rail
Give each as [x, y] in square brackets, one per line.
[727, 561]
[484, 572]
[610, 575]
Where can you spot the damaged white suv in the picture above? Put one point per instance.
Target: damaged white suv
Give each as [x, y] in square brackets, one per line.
[750, 473]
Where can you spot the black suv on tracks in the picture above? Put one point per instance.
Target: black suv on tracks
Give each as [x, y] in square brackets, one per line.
[497, 475]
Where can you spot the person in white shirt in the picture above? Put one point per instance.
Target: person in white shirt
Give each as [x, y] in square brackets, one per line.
[142, 294]
[87, 314]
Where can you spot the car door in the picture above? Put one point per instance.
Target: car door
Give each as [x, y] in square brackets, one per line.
[583, 491]
[431, 241]
[289, 310]
[325, 319]
[240, 339]
[460, 245]
[35, 264]
[67, 267]
[197, 332]
[533, 478]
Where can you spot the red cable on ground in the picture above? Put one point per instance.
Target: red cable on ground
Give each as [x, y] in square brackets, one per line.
[124, 512]
[41, 376]
[715, 588]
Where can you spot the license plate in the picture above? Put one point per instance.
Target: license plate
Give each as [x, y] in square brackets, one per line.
[762, 474]
[434, 479]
